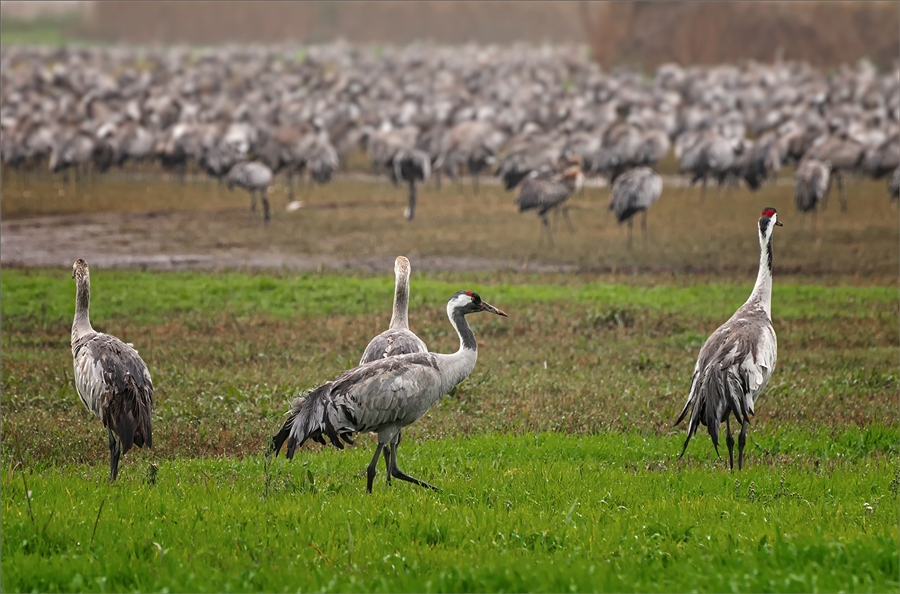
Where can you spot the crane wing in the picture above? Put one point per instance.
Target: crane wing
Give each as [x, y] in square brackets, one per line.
[392, 342]
[115, 385]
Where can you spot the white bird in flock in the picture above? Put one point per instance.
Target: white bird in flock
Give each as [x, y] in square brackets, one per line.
[386, 395]
[111, 378]
[737, 360]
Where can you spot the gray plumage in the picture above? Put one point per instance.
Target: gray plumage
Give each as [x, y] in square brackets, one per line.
[633, 192]
[384, 396]
[412, 166]
[811, 184]
[397, 339]
[737, 360]
[254, 177]
[894, 185]
[544, 192]
[111, 378]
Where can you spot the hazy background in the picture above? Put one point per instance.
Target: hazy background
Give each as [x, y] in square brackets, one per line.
[633, 34]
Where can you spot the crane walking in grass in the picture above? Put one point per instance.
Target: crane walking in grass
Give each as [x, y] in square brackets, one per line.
[111, 378]
[737, 360]
[386, 395]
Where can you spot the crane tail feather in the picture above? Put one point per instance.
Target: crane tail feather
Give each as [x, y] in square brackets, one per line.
[314, 416]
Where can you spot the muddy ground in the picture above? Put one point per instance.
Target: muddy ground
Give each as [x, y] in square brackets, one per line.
[356, 223]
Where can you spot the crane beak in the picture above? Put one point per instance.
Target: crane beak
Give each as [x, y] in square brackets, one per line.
[485, 306]
[778, 224]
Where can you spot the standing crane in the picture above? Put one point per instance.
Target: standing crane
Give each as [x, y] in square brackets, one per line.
[811, 184]
[544, 192]
[397, 339]
[386, 395]
[254, 177]
[111, 378]
[737, 360]
[894, 185]
[635, 191]
[412, 166]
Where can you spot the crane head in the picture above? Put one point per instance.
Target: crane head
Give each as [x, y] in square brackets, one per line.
[471, 302]
[80, 269]
[768, 219]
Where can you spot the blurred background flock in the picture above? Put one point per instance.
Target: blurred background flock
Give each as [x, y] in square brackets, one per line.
[240, 176]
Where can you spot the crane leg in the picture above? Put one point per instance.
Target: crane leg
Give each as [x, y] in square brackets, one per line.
[397, 473]
[387, 459]
[742, 439]
[840, 185]
[729, 439]
[387, 463]
[475, 182]
[703, 190]
[411, 208]
[265, 201]
[644, 226]
[290, 183]
[565, 212]
[545, 226]
[630, 231]
[370, 471]
[252, 200]
[114, 453]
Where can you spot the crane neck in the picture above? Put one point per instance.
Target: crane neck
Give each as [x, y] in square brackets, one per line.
[82, 323]
[762, 290]
[466, 336]
[457, 367]
[400, 315]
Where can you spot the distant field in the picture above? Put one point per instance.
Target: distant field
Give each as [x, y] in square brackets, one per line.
[123, 219]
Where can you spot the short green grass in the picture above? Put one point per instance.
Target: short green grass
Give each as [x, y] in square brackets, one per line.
[547, 512]
[557, 458]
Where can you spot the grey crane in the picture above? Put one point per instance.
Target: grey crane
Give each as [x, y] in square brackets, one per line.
[894, 185]
[397, 339]
[844, 154]
[635, 191]
[386, 395]
[412, 166]
[737, 360]
[111, 378]
[811, 185]
[254, 177]
[544, 192]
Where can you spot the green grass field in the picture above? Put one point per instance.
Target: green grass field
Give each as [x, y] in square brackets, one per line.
[557, 458]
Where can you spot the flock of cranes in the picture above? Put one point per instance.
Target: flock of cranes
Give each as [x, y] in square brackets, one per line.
[528, 115]
[398, 379]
